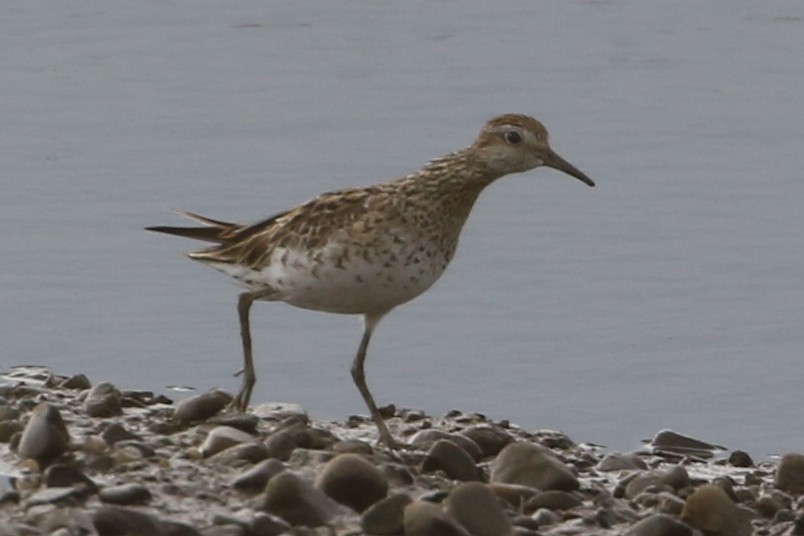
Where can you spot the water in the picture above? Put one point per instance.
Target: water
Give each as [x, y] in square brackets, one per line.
[669, 296]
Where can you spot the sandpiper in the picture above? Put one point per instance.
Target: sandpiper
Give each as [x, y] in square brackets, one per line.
[364, 251]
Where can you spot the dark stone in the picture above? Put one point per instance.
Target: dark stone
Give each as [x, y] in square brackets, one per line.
[659, 525]
[452, 459]
[790, 474]
[104, 400]
[532, 465]
[61, 475]
[491, 438]
[116, 432]
[352, 481]
[201, 407]
[740, 458]
[297, 502]
[386, 517]
[670, 441]
[45, 436]
[78, 381]
[125, 494]
[476, 508]
[256, 477]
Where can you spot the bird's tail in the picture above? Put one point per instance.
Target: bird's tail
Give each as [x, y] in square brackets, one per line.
[213, 230]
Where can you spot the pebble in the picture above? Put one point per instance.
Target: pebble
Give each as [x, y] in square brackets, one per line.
[263, 524]
[8, 429]
[422, 518]
[456, 463]
[710, 510]
[62, 475]
[221, 438]
[104, 400]
[297, 502]
[247, 452]
[477, 509]
[553, 500]
[659, 525]
[532, 465]
[352, 481]
[740, 458]
[491, 438]
[125, 494]
[425, 439]
[615, 461]
[790, 474]
[282, 442]
[77, 381]
[201, 407]
[257, 476]
[117, 432]
[224, 494]
[245, 422]
[670, 441]
[117, 521]
[386, 517]
[45, 436]
[280, 411]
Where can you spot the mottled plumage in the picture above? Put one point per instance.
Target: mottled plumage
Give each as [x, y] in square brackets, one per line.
[366, 250]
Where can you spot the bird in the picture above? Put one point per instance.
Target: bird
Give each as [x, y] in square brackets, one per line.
[364, 251]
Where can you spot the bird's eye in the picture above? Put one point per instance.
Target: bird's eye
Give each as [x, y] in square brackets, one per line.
[513, 137]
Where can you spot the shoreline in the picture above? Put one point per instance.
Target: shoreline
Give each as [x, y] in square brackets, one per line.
[77, 456]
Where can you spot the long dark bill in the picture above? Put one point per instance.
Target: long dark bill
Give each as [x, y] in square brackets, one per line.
[554, 161]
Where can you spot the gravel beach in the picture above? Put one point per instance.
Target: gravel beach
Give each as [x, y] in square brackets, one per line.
[85, 458]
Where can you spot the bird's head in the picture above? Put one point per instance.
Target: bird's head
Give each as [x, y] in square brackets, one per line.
[514, 143]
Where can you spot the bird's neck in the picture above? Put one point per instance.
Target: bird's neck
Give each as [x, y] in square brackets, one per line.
[449, 187]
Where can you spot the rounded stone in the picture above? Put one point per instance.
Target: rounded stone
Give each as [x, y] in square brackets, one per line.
[446, 456]
[386, 517]
[532, 465]
[8, 429]
[352, 481]
[710, 510]
[740, 458]
[553, 500]
[257, 476]
[616, 461]
[125, 494]
[646, 481]
[422, 518]
[45, 436]
[201, 407]
[297, 502]
[659, 525]
[267, 525]
[353, 446]
[280, 411]
[670, 441]
[61, 475]
[117, 432]
[77, 381]
[425, 439]
[221, 438]
[477, 509]
[790, 474]
[104, 400]
[116, 521]
[491, 438]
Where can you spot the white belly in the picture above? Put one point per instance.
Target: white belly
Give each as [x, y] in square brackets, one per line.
[333, 282]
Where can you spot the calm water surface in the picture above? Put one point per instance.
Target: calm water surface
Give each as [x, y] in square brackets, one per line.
[670, 296]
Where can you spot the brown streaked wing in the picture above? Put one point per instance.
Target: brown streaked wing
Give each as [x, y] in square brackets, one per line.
[308, 226]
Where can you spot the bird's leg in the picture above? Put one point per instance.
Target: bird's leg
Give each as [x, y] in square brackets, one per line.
[240, 402]
[359, 377]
